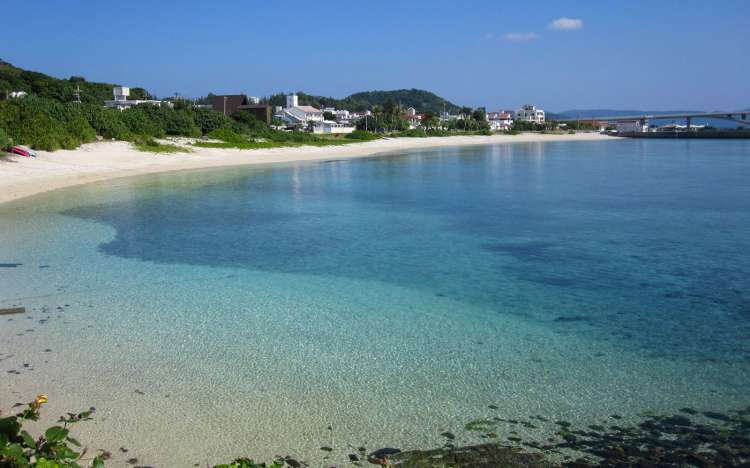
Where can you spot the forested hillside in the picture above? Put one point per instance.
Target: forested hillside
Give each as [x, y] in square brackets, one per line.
[423, 101]
[17, 79]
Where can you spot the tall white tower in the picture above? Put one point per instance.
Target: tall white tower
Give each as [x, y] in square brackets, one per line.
[292, 101]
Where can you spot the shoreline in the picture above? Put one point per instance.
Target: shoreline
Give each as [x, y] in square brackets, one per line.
[107, 160]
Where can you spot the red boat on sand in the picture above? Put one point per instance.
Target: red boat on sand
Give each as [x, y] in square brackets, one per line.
[21, 152]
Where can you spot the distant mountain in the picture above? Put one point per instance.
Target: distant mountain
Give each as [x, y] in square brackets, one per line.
[421, 100]
[13, 78]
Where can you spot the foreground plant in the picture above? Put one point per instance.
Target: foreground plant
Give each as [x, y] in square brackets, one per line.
[53, 449]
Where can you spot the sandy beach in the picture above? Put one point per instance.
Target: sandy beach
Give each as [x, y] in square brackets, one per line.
[94, 162]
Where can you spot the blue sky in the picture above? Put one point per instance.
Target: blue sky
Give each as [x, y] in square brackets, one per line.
[654, 55]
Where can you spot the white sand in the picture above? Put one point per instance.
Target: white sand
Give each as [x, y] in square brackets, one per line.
[21, 177]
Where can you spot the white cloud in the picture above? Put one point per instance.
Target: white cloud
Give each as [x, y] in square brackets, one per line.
[519, 36]
[566, 24]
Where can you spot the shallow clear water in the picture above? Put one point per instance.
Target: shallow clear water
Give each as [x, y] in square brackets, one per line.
[392, 297]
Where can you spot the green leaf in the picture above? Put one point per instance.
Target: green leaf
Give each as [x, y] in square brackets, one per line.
[56, 433]
[28, 440]
[98, 462]
[44, 463]
[74, 441]
[13, 452]
[10, 427]
[67, 454]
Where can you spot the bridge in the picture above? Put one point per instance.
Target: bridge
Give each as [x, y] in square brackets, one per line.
[739, 116]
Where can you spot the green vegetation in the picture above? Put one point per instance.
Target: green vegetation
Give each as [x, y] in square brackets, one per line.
[362, 135]
[580, 125]
[46, 124]
[48, 119]
[269, 138]
[5, 140]
[420, 99]
[152, 146]
[45, 86]
[55, 448]
[423, 133]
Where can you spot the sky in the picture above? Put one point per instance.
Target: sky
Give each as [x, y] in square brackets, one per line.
[558, 55]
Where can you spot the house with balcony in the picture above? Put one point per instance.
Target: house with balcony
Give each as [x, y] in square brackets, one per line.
[500, 121]
[529, 113]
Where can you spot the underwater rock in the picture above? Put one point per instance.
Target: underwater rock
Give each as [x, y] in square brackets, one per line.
[382, 456]
[717, 416]
[477, 456]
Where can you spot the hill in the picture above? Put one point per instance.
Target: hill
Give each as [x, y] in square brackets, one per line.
[13, 78]
[423, 101]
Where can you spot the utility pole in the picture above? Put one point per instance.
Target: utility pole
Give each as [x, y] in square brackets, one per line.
[225, 106]
[77, 94]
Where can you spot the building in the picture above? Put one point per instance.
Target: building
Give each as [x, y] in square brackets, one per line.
[354, 116]
[121, 101]
[673, 127]
[328, 126]
[230, 103]
[342, 115]
[630, 126]
[261, 112]
[529, 113]
[413, 117]
[295, 114]
[500, 120]
[17, 94]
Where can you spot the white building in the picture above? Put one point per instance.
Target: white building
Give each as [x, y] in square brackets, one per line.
[342, 115]
[295, 114]
[414, 118]
[631, 126]
[328, 126]
[500, 120]
[121, 101]
[673, 127]
[529, 113]
[17, 94]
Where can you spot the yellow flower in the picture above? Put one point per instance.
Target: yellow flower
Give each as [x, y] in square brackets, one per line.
[41, 399]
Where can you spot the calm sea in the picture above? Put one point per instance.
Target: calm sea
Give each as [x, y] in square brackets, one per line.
[216, 313]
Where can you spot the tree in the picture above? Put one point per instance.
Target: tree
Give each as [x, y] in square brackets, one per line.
[5, 140]
[329, 115]
[430, 121]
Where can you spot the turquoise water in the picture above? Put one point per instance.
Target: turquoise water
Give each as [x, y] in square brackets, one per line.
[390, 297]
